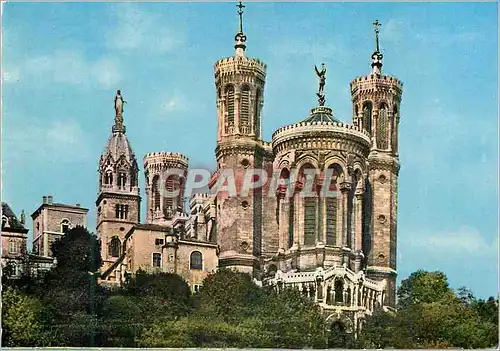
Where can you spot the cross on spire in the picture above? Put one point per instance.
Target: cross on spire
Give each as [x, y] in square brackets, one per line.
[376, 25]
[240, 7]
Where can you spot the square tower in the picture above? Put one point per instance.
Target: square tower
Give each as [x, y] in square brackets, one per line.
[51, 221]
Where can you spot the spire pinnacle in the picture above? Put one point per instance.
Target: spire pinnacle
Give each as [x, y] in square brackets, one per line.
[119, 102]
[240, 37]
[377, 55]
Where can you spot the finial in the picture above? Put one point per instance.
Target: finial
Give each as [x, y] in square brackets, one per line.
[322, 80]
[119, 102]
[376, 26]
[240, 7]
[23, 218]
[377, 55]
[240, 37]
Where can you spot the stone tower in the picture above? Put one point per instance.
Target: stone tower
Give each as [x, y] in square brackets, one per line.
[239, 81]
[376, 102]
[165, 173]
[118, 200]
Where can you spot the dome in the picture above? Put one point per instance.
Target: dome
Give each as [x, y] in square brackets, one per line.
[321, 114]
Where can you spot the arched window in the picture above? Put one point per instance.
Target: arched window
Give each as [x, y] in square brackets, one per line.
[367, 116]
[155, 193]
[382, 128]
[256, 113]
[5, 222]
[332, 205]
[122, 179]
[169, 202]
[230, 105]
[245, 109]
[310, 206]
[196, 260]
[339, 290]
[108, 178]
[115, 247]
[64, 226]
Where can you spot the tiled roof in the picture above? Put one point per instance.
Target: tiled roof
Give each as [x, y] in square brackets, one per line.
[13, 222]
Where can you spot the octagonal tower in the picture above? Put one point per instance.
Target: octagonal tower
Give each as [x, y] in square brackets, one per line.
[376, 100]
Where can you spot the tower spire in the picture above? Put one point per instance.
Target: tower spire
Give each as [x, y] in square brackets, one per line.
[377, 55]
[119, 102]
[240, 37]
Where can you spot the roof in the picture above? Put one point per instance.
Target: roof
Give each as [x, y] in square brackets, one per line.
[55, 204]
[321, 114]
[118, 145]
[12, 222]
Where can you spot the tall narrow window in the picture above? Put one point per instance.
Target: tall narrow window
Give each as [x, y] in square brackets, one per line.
[156, 193]
[382, 128]
[108, 178]
[117, 211]
[168, 202]
[122, 178]
[332, 207]
[309, 220]
[125, 212]
[156, 260]
[196, 260]
[230, 105]
[367, 117]
[245, 110]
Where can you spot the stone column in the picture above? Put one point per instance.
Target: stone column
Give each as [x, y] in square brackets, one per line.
[374, 127]
[283, 223]
[358, 220]
[345, 187]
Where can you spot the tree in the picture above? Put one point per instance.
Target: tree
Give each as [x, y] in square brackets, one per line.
[422, 287]
[431, 315]
[228, 294]
[21, 319]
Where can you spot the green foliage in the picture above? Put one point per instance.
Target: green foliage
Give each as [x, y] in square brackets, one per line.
[228, 294]
[68, 308]
[77, 251]
[432, 316]
[423, 287]
[21, 319]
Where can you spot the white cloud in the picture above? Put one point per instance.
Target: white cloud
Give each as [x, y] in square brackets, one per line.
[136, 29]
[56, 140]
[464, 240]
[65, 67]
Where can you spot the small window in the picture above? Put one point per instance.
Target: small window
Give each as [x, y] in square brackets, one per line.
[196, 288]
[196, 261]
[64, 226]
[158, 242]
[156, 259]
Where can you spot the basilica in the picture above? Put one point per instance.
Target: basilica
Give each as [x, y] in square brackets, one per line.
[339, 251]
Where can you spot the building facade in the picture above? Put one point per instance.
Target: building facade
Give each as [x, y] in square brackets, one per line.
[339, 250]
[14, 239]
[51, 221]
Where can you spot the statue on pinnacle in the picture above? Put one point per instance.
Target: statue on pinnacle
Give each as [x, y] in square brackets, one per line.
[322, 81]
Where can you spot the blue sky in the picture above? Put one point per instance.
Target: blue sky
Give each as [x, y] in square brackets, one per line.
[63, 62]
